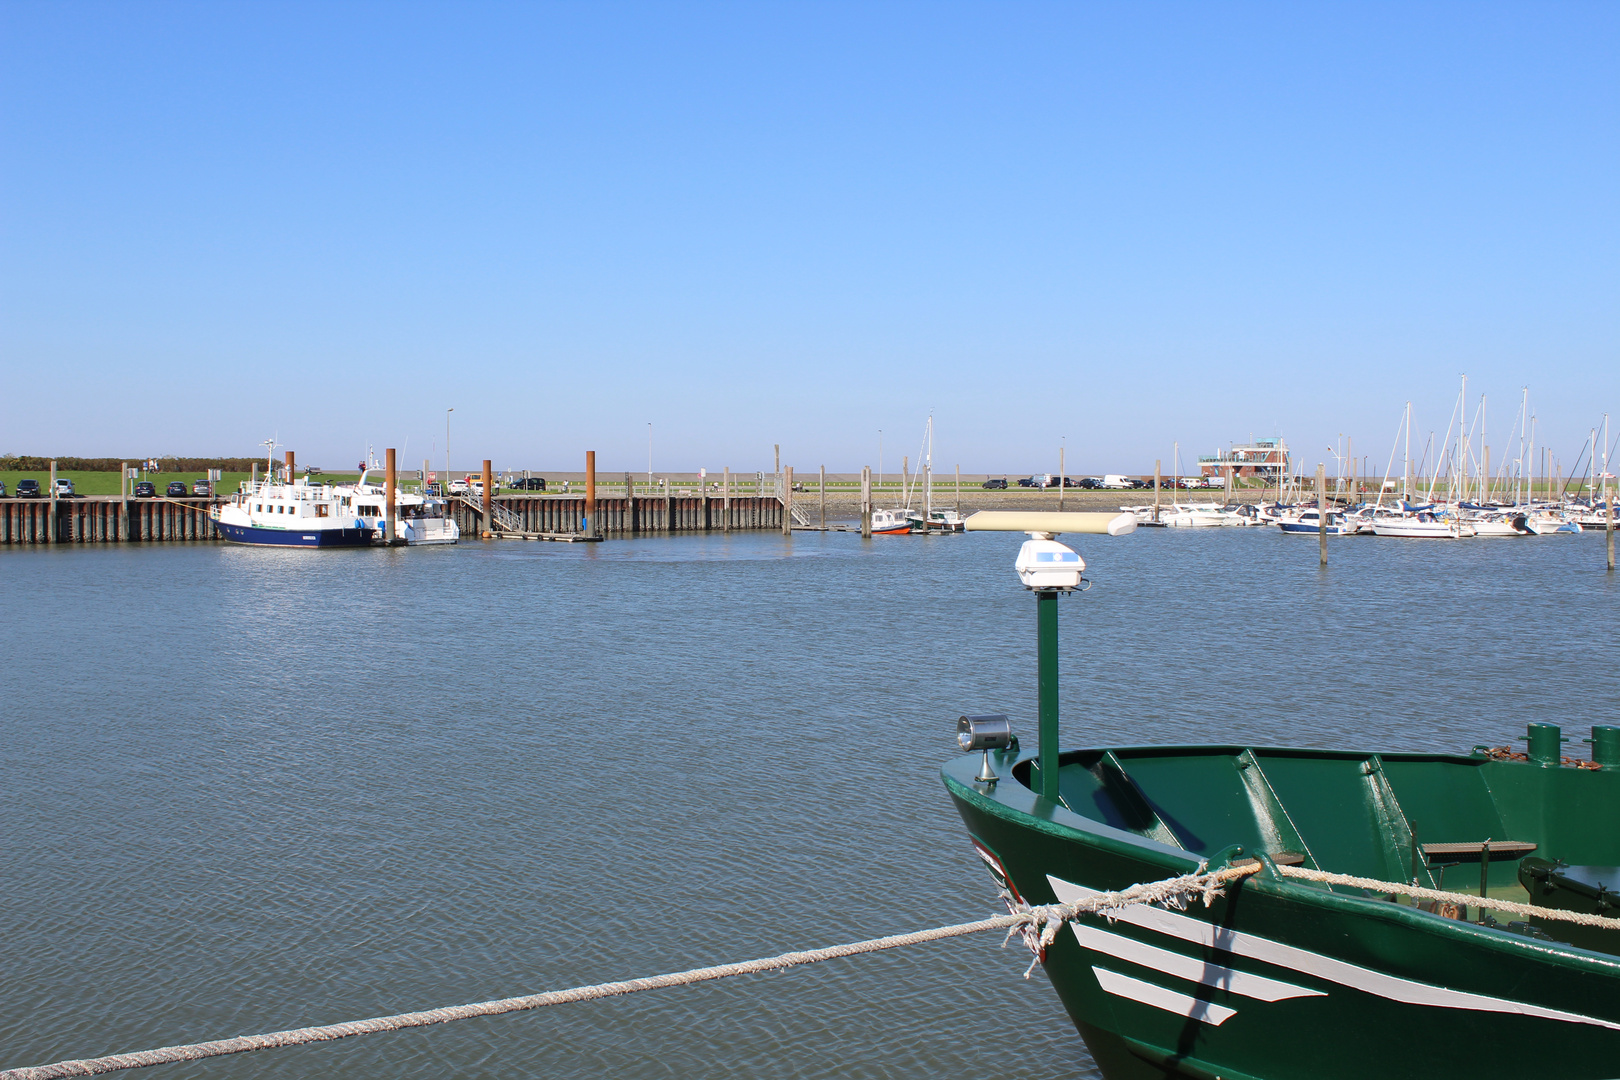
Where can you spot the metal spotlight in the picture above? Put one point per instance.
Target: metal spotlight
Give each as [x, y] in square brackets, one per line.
[985, 733]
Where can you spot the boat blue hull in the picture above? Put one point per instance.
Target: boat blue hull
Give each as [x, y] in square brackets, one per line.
[1296, 527]
[247, 534]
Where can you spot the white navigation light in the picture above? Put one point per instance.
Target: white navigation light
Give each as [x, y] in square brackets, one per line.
[1043, 563]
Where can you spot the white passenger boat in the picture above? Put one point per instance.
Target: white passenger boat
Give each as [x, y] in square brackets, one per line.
[299, 514]
[418, 519]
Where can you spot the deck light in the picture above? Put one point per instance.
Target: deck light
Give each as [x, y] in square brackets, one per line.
[984, 733]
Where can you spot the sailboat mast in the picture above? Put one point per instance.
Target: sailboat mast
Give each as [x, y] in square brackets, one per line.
[928, 474]
[1406, 465]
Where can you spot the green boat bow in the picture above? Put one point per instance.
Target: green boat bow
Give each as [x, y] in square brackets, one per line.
[1282, 978]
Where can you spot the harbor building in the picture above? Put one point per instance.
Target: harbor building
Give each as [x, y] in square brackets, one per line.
[1265, 458]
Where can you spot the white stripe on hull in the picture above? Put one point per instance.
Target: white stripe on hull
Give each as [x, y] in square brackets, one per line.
[1378, 983]
[1157, 996]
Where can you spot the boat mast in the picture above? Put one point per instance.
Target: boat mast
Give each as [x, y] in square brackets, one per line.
[1406, 465]
[928, 474]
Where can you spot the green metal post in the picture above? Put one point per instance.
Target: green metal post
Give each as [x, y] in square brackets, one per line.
[1046, 617]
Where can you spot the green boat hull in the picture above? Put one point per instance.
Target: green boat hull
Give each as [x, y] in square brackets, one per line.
[1284, 979]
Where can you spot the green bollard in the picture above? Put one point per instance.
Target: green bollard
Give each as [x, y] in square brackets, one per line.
[1605, 742]
[1546, 744]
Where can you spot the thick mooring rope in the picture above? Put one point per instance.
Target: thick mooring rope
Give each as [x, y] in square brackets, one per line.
[1040, 925]
[1044, 920]
[1460, 899]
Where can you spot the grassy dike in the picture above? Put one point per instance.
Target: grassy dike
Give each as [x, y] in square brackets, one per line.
[106, 483]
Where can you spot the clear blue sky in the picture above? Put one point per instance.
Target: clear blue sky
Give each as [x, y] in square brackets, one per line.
[1115, 225]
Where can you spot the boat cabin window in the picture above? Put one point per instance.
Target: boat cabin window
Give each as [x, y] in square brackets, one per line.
[320, 511]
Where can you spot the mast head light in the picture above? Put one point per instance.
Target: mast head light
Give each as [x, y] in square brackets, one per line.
[1045, 564]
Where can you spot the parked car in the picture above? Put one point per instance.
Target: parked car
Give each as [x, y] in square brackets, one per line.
[64, 488]
[529, 483]
[2, 489]
[146, 490]
[996, 485]
[202, 487]
[1029, 481]
[28, 489]
[177, 489]
[460, 487]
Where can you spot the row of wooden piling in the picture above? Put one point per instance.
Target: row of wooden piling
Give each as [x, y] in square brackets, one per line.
[104, 521]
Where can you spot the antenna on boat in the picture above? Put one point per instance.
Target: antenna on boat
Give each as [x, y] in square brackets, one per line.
[1048, 568]
[270, 445]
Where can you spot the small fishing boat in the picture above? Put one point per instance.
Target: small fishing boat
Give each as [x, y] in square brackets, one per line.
[891, 523]
[1318, 957]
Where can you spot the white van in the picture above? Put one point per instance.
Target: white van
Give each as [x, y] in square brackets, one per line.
[1117, 482]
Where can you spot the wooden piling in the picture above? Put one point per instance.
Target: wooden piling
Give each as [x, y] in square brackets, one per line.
[123, 501]
[1156, 475]
[787, 503]
[866, 500]
[291, 463]
[959, 490]
[588, 525]
[725, 501]
[1608, 520]
[824, 496]
[390, 489]
[1321, 511]
[1062, 475]
[51, 522]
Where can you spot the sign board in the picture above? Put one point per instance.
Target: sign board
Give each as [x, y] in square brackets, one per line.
[132, 474]
[703, 474]
[214, 475]
[433, 477]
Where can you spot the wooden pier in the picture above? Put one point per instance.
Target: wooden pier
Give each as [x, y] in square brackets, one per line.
[107, 519]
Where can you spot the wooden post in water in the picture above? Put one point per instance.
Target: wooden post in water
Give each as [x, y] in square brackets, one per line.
[824, 497]
[50, 522]
[725, 500]
[291, 461]
[123, 501]
[1608, 520]
[866, 500]
[959, 491]
[588, 525]
[669, 493]
[1321, 510]
[390, 502]
[487, 529]
[787, 503]
[1156, 463]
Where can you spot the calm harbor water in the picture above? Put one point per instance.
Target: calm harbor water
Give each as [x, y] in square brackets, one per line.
[246, 790]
